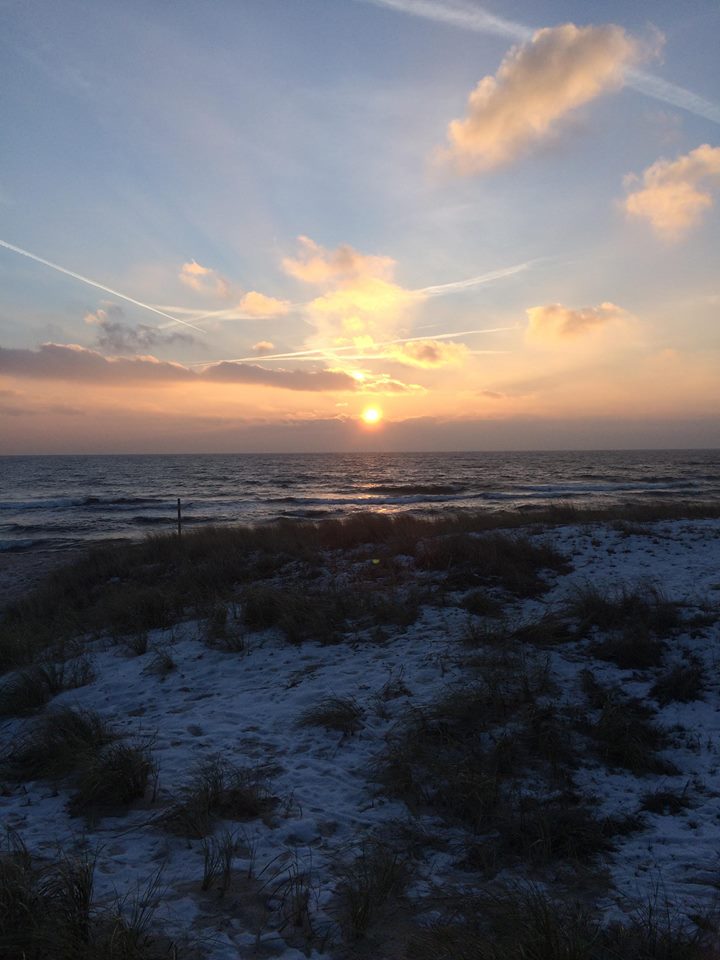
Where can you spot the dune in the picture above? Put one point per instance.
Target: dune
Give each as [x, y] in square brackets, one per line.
[381, 741]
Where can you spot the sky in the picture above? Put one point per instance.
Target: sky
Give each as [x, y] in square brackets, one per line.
[317, 225]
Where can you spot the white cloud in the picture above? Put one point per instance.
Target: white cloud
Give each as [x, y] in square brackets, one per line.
[674, 194]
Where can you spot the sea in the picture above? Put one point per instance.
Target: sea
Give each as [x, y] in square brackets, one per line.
[55, 502]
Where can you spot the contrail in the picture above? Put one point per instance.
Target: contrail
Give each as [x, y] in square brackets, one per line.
[94, 283]
[440, 289]
[478, 20]
[458, 15]
[321, 353]
[653, 86]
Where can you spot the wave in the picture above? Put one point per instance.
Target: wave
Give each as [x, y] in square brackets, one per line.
[50, 504]
[435, 489]
[14, 546]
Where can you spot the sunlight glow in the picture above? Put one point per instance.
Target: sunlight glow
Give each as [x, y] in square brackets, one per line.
[371, 415]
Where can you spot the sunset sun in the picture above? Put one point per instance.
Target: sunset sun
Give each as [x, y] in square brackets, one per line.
[371, 415]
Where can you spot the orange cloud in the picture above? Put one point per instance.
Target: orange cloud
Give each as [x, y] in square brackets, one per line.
[316, 264]
[555, 322]
[429, 353]
[70, 362]
[204, 280]
[361, 303]
[536, 85]
[255, 304]
[670, 198]
[262, 347]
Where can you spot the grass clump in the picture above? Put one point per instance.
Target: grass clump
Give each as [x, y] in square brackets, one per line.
[299, 614]
[219, 790]
[57, 744]
[469, 756]
[481, 604]
[223, 628]
[527, 924]
[666, 801]
[635, 622]
[682, 683]
[79, 746]
[31, 688]
[548, 630]
[47, 912]
[512, 562]
[113, 776]
[367, 886]
[623, 608]
[624, 732]
[343, 714]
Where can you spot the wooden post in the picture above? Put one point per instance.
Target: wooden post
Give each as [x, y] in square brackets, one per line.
[179, 520]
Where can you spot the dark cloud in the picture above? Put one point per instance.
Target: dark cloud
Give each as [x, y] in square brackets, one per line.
[55, 361]
[117, 336]
[287, 379]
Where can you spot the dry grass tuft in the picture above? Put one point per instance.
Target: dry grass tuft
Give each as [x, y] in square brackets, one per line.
[368, 885]
[681, 683]
[219, 790]
[31, 688]
[343, 714]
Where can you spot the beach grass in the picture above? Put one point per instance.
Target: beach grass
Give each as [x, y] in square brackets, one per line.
[496, 755]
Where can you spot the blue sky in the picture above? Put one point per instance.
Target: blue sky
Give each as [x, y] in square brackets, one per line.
[141, 137]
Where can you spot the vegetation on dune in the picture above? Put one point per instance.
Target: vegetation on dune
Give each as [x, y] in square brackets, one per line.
[127, 590]
[217, 790]
[526, 923]
[47, 912]
[80, 748]
[131, 588]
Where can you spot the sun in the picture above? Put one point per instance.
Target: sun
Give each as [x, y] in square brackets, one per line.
[371, 415]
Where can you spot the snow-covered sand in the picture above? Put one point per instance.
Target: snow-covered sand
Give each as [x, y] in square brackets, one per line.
[245, 707]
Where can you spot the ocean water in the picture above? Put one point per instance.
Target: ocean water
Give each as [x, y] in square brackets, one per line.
[50, 503]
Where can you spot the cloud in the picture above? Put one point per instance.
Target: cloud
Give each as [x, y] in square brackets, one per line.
[670, 197]
[116, 336]
[204, 280]
[263, 347]
[537, 84]
[320, 380]
[556, 322]
[315, 264]
[429, 353]
[57, 361]
[360, 303]
[384, 384]
[70, 362]
[255, 304]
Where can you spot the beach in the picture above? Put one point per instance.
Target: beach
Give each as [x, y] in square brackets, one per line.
[400, 720]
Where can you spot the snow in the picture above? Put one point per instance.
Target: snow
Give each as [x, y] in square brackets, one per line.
[245, 707]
